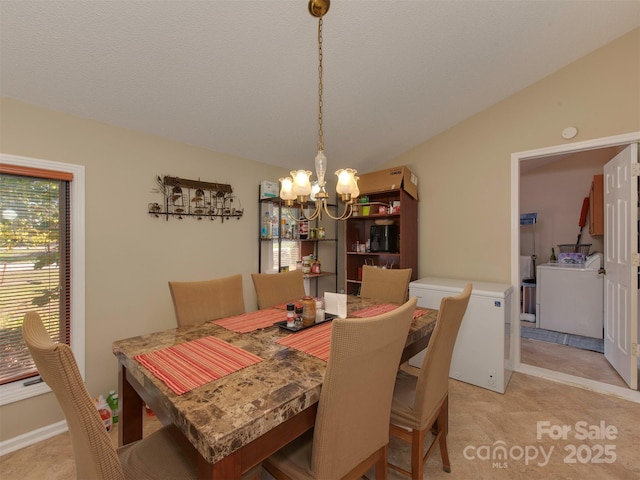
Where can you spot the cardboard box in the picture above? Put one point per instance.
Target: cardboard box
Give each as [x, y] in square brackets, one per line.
[268, 189]
[389, 179]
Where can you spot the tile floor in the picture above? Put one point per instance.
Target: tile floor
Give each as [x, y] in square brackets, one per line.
[480, 422]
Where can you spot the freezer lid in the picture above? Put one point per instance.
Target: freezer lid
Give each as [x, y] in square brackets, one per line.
[455, 286]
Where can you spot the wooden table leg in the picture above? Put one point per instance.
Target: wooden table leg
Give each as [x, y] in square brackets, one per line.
[227, 468]
[130, 403]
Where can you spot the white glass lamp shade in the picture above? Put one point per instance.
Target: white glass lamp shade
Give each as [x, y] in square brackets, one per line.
[345, 181]
[355, 191]
[286, 189]
[315, 188]
[301, 184]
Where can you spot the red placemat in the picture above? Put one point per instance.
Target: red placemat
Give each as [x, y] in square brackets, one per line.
[315, 341]
[383, 308]
[250, 321]
[192, 364]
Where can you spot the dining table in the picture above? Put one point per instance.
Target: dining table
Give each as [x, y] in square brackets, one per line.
[236, 389]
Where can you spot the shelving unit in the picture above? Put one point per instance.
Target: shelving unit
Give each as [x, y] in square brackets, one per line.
[358, 231]
[277, 253]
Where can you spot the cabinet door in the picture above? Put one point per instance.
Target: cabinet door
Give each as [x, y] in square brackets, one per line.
[596, 206]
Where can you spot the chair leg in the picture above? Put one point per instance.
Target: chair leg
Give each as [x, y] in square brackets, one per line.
[442, 433]
[381, 464]
[417, 462]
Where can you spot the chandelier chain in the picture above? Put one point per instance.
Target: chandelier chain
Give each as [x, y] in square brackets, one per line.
[320, 131]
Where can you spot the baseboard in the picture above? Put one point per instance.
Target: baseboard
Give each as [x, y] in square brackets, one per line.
[585, 383]
[34, 436]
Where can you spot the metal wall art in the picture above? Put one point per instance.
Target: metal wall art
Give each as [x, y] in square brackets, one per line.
[193, 198]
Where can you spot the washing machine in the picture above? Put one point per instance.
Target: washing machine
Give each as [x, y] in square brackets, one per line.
[569, 297]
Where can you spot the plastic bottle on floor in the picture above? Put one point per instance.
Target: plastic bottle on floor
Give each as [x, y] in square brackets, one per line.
[105, 412]
[112, 401]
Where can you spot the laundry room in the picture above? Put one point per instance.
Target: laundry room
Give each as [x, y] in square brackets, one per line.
[561, 249]
[561, 258]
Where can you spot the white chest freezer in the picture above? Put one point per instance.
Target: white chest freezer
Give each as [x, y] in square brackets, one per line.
[482, 353]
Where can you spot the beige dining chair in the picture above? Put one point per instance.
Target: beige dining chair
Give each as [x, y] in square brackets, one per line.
[157, 456]
[420, 403]
[385, 284]
[199, 302]
[351, 431]
[277, 288]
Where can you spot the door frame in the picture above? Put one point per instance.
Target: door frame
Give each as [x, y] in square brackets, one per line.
[516, 159]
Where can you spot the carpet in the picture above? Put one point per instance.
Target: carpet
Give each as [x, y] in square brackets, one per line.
[576, 341]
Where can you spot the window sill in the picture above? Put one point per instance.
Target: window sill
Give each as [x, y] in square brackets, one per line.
[17, 391]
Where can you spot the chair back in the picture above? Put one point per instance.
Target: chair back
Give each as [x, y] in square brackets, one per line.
[277, 288]
[94, 453]
[385, 284]
[199, 302]
[355, 402]
[433, 381]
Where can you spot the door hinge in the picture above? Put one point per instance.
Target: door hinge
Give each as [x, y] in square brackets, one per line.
[635, 259]
[635, 169]
[634, 350]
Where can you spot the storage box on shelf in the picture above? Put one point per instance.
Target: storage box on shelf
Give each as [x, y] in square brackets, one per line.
[283, 243]
[392, 212]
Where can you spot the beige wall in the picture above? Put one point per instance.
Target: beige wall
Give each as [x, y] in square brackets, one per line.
[129, 255]
[464, 209]
[555, 191]
[465, 172]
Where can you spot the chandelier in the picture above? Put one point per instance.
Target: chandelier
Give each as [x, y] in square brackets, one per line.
[298, 186]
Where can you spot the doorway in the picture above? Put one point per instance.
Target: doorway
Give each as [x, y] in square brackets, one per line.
[527, 160]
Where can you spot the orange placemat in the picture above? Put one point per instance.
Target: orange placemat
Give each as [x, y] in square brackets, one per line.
[192, 364]
[383, 308]
[250, 321]
[315, 341]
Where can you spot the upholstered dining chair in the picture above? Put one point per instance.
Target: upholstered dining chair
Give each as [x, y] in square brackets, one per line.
[351, 430]
[199, 302]
[157, 456]
[277, 288]
[385, 284]
[420, 403]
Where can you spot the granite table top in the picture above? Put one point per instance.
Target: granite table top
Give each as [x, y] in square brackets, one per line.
[221, 416]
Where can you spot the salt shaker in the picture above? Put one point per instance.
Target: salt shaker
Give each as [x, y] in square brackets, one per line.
[291, 314]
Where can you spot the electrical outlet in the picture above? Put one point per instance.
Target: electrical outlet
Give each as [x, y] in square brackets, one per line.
[491, 380]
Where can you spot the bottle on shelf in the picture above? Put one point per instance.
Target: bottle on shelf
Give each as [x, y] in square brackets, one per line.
[553, 258]
[266, 226]
[275, 226]
[303, 228]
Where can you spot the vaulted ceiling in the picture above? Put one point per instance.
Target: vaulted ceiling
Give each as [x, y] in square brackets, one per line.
[241, 77]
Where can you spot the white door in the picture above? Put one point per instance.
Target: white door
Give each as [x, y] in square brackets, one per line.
[621, 279]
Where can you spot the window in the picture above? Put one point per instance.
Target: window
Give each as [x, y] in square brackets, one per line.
[39, 248]
[289, 253]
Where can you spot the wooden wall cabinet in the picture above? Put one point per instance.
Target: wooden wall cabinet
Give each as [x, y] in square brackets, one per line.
[596, 206]
[357, 232]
